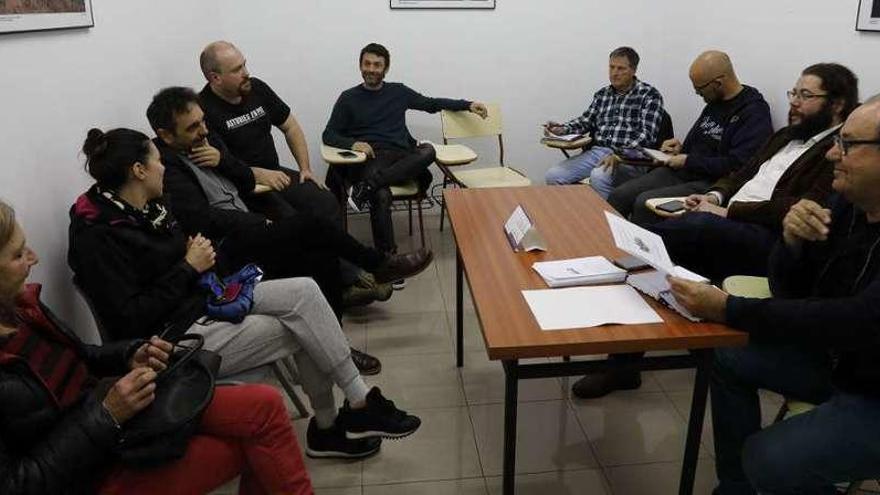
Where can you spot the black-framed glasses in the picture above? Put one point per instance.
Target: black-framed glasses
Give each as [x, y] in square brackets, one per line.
[846, 144]
[699, 89]
[803, 95]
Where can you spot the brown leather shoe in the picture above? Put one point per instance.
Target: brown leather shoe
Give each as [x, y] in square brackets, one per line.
[399, 266]
[597, 385]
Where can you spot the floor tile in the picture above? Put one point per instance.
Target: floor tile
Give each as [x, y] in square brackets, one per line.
[476, 486]
[659, 478]
[420, 381]
[548, 438]
[559, 483]
[407, 334]
[484, 382]
[328, 473]
[339, 491]
[443, 449]
[633, 428]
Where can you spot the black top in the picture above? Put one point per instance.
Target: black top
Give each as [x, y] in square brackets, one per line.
[827, 294]
[246, 128]
[378, 117]
[727, 134]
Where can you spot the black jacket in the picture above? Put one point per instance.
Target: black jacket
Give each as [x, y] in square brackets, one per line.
[189, 203]
[827, 295]
[134, 276]
[42, 448]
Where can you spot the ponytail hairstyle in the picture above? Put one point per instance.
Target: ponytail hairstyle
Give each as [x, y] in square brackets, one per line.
[110, 155]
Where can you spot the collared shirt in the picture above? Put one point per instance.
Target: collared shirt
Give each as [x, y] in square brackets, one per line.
[761, 186]
[621, 120]
[219, 190]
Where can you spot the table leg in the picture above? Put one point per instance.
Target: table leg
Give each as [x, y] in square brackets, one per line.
[695, 423]
[511, 384]
[459, 311]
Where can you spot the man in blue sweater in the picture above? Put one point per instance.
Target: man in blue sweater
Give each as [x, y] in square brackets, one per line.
[732, 127]
[371, 118]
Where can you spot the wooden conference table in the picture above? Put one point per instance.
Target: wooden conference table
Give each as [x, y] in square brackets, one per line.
[572, 222]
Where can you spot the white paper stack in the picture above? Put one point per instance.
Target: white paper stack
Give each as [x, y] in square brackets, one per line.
[593, 270]
[654, 284]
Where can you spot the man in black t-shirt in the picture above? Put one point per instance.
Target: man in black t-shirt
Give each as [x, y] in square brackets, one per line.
[243, 110]
[371, 118]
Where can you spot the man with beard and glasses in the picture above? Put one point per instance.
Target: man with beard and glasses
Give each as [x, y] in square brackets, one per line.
[242, 110]
[732, 127]
[371, 118]
[718, 241]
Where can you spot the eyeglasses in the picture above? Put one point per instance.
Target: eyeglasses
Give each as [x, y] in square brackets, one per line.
[846, 144]
[803, 95]
[699, 89]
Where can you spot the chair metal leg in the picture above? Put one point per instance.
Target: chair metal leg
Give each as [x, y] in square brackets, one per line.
[409, 211]
[443, 202]
[421, 225]
[281, 370]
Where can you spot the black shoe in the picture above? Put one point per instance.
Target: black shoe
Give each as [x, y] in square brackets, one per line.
[366, 364]
[359, 196]
[379, 418]
[333, 444]
[398, 266]
[600, 384]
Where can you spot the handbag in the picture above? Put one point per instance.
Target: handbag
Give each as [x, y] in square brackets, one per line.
[161, 432]
[232, 298]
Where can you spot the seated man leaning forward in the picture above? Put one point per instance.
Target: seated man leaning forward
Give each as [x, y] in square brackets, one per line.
[817, 340]
[733, 125]
[624, 114]
[718, 242]
[371, 117]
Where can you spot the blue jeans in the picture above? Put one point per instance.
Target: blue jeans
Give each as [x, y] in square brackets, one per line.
[586, 164]
[839, 441]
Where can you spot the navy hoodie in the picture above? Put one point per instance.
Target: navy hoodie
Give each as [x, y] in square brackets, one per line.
[727, 134]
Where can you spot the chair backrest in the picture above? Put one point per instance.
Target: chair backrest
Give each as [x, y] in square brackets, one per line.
[465, 124]
[102, 329]
[666, 131]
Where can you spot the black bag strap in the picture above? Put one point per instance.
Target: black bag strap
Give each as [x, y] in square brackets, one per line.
[183, 357]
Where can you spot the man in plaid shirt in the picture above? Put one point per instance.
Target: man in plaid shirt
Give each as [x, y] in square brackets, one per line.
[624, 114]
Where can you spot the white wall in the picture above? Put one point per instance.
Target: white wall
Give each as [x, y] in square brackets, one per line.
[539, 60]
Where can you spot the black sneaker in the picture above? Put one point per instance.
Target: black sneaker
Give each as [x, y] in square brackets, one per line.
[379, 418]
[333, 444]
[359, 196]
[366, 364]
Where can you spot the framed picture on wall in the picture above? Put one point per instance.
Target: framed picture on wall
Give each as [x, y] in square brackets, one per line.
[40, 15]
[868, 18]
[442, 4]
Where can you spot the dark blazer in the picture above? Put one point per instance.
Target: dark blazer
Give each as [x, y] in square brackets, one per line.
[42, 448]
[809, 177]
[188, 201]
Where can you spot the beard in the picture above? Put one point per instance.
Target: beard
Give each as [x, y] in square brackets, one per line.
[810, 125]
[245, 87]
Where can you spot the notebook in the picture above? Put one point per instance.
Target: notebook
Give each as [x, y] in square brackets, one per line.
[592, 270]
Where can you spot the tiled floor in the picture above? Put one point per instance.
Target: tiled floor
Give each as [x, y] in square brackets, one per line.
[625, 444]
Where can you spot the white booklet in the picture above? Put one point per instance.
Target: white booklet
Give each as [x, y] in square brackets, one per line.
[580, 307]
[646, 246]
[563, 137]
[592, 270]
[657, 155]
[654, 284]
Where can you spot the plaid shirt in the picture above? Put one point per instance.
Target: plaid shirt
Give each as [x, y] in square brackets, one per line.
[621, 120]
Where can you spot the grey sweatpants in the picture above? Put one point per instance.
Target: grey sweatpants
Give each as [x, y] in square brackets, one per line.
[290, 317]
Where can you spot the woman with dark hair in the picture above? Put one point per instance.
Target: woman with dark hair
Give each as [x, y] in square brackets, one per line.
[141, 274]
[59, 432]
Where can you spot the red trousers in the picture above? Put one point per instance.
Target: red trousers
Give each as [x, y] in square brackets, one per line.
[245, 431]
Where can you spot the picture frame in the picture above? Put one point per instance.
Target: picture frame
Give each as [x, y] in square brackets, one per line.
[443, 4]
[868, 17]
[17, 16]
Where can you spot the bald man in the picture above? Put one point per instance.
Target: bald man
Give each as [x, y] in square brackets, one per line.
[734, 124]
